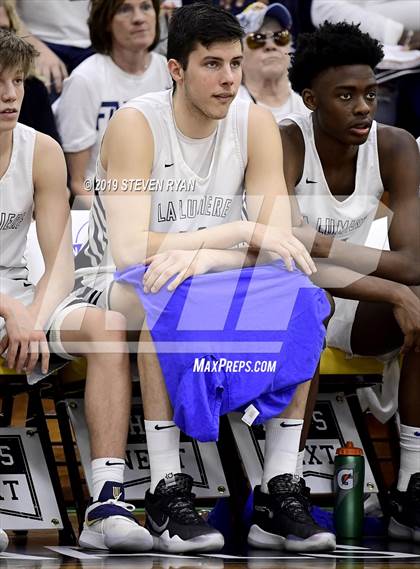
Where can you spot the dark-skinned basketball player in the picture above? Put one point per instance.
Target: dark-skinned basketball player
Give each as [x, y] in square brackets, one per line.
[338, 163]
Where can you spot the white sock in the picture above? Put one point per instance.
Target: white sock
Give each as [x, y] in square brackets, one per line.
[163, 449]
[299, 463]
[409, 455]
[282, 438]
[104, 470]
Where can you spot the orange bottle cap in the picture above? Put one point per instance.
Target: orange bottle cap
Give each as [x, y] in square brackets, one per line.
[349, 450]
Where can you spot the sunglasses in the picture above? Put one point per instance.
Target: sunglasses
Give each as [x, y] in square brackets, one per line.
[257, 40]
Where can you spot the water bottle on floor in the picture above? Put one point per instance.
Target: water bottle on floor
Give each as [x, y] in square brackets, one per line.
[349, 477]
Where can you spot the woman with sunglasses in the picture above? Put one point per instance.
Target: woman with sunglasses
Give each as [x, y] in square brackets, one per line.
[266, 59]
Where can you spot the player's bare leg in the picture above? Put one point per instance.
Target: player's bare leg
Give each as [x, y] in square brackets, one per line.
[101, 337]
[375, 332]
[168, 486]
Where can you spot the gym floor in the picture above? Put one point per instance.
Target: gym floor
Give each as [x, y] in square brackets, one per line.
[41, 551]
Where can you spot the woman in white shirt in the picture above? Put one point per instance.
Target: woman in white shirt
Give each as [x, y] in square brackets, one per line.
[124, 33]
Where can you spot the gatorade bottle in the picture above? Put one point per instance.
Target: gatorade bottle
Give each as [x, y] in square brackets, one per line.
[349, 479]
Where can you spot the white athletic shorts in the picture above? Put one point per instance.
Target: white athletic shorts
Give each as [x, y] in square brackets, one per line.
[383, 403]
[341, 324]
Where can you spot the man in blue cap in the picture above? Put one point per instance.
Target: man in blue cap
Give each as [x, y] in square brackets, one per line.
[266, 59]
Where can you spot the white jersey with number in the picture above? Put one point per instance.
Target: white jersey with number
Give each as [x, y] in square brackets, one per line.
[192, 188]
[344, 217]
[63, 22]
[16, 207]
[91, 95]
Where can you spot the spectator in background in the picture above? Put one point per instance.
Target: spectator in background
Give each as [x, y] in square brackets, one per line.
[36, 109]
[389, 21]
[266, 59]
[124, 33]
[60, 34]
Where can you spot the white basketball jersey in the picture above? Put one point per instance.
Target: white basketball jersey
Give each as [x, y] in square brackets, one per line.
[16, 206]
[182, 200]
[347, 218]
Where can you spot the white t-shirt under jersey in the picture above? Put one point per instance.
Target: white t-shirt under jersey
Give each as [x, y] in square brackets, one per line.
[345, 217]
[183, 199]
[197, 152]
[63, 22]
[91, 95]
[294, 104]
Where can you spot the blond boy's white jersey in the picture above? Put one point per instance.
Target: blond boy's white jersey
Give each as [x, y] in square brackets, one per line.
[16, 207]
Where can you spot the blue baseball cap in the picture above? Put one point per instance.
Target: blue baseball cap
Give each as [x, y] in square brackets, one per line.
[252, 18]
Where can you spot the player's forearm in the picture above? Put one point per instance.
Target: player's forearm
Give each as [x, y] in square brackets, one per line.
[222, 236]
[77, 188]
[82, 198]
[345, 283]
[49, 292]
[239, 258]
[126, 252]
[77, 163]
[398, 266]
[6, 305]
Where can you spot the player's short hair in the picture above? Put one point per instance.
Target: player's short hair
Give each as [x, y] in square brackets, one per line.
[11, 13]
[16, 52]
[99, 22]
[200, 23]
[331, 45]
